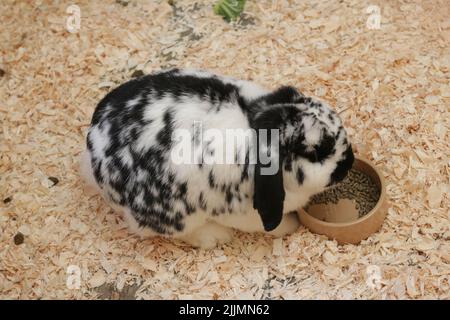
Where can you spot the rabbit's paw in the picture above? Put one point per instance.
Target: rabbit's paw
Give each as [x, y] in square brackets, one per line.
[209, 236]
[289, 224]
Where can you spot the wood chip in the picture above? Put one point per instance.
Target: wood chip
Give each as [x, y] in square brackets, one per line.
[329, 258]
[150, 264]
[434, 195]
[432, 100]
[277, 249]
[259, 253]
[97, 279]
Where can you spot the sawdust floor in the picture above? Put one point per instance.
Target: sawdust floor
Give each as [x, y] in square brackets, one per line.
[390, 84]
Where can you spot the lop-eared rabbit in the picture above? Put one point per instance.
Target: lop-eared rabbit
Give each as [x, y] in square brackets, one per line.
[134, 139]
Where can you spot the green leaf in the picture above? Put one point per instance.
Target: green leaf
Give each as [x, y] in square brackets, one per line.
[229, 9]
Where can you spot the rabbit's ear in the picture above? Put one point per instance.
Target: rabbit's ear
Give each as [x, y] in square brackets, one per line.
[268, 197]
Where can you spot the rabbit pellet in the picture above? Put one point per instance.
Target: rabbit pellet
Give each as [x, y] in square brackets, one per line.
[356, 186]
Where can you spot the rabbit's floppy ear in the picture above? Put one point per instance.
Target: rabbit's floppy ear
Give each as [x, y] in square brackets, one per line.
[269, 194]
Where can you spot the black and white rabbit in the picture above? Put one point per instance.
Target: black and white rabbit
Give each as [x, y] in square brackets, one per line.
[132, 141]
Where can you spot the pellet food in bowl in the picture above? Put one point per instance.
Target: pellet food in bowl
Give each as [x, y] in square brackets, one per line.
[351, 210]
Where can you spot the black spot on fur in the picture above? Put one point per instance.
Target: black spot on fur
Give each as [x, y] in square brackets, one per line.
[211, 180]
[164, 136]
[205, 87]
[201, 201]
[330, 117]
[182, 189]
[300, 176]
[228, 196]
[245, 169]
[113, 104]
[188, 207]
[89, 143]
[288, 163]
[97, 171]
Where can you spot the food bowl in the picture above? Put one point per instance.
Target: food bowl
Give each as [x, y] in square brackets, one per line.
[341, 221]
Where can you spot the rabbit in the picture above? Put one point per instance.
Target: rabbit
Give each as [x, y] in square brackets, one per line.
[131, 143]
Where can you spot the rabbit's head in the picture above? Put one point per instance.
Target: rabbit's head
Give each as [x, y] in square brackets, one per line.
[313, 152]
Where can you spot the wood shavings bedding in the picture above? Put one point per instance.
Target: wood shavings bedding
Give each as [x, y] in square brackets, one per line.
[390, 85]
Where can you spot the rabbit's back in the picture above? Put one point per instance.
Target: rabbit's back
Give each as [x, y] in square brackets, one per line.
[131, 145]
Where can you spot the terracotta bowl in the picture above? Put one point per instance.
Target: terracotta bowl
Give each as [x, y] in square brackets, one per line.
[341, 221]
